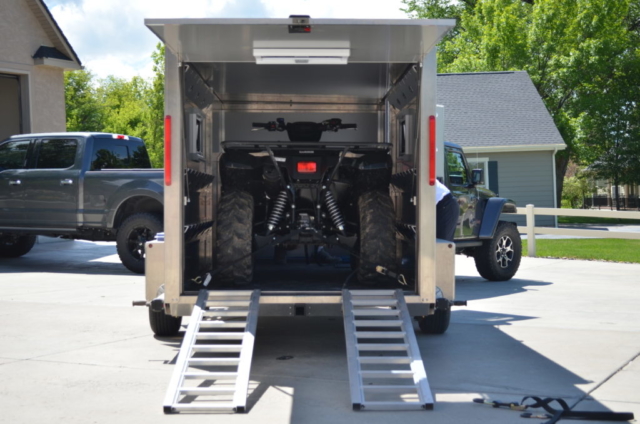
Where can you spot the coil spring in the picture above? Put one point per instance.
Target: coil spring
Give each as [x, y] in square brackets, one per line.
[334, 212]
[278, 210]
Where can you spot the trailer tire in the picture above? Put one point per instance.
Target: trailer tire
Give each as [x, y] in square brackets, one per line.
[134, 232]
[438, 323]
[164, 325]
[234, 234]
[498, 259]
[377, 239]
[15, 246]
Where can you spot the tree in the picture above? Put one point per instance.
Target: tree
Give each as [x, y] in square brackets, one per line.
[134, 107]
[155, 118]
[84, 112]
[568, 48]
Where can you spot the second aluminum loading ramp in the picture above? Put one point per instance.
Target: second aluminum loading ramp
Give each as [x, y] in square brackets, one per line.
[385, 368]
[212, 369]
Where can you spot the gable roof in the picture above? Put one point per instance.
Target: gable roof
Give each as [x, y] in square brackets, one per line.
[496, 111]
[54, 33]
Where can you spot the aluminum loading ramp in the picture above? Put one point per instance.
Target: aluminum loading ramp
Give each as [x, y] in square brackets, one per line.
[385, 368]
[213, 366]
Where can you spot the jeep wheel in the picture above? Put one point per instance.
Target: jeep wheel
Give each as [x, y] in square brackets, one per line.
[164, 325]
[15, 246]
[498, 259]
[377, 240]
[233, 238]
[134, 232]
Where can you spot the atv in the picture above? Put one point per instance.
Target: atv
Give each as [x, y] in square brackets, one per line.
[303, 192]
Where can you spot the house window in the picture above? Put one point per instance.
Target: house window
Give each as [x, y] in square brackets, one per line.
[480, 163]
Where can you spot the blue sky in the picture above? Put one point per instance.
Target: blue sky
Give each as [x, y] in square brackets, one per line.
[110, 37]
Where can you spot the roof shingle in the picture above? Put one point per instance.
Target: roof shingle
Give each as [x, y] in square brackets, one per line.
[495, 109]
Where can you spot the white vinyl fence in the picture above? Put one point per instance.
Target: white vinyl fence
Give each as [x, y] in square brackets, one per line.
[531, 230]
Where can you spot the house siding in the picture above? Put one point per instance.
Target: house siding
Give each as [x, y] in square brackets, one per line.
[526, 178]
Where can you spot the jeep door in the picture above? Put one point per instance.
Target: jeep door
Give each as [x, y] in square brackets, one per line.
[52, 183]
[14, 156]
[459, 182]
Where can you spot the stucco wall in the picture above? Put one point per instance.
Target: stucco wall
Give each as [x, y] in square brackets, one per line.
[47, 99]
[42, 86]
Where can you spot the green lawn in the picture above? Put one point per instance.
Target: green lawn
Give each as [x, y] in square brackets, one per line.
[616, 250]
[594, 220]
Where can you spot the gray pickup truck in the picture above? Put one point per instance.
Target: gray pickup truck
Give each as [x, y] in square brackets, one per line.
[90, 186]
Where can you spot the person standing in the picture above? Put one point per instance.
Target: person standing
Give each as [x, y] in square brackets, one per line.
[447, 212]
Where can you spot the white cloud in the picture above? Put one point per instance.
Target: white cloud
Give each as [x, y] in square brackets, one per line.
[111, 39]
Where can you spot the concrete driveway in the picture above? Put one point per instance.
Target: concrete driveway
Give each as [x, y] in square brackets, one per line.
[73, 350]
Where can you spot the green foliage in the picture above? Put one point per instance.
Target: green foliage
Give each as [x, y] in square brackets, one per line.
[155, 138]
[576, 188]
[134, 107]
[84, 112]
[582, 55]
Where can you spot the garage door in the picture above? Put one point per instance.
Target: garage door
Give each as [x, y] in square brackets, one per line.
[10, 114]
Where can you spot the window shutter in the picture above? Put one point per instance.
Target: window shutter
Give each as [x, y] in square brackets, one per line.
[493, 176]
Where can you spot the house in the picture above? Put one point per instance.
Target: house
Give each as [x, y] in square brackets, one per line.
[34, 54]
[504, 128]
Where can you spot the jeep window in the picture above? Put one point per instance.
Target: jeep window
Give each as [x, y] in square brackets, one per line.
[483, 164]
[13, 154]
[457, 168]
[57, 153]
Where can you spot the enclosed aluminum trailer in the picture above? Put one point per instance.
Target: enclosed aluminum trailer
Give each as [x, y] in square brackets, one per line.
[222, 76]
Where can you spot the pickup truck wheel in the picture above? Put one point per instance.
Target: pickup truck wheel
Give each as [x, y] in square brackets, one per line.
[377, 238]
[164, 325]
[498, 259]
[134, 232]
[438, 323]
[234, 234]
[15, 246]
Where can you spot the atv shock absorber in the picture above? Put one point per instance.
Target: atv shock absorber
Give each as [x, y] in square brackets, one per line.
[278, 210]
[334, 212]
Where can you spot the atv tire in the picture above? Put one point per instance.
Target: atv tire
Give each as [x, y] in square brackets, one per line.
[498, 259]
[15, 246]
[132, 235]
[234, 234]
[377, 238]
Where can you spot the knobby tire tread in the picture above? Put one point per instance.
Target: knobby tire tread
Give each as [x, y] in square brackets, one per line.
[234, 235]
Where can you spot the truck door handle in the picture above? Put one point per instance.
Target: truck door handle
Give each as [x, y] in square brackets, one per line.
[15, 182]
[67, 181]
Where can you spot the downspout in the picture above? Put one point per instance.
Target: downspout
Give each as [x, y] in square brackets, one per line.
[555, 185]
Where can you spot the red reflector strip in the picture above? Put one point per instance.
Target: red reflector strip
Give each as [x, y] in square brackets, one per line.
[432, 150]
[307, 167]
[167, 150]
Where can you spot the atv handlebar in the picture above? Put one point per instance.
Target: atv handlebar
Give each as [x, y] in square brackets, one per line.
[333, 124]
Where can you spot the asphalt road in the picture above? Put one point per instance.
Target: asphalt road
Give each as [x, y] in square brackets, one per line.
[73, 350]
